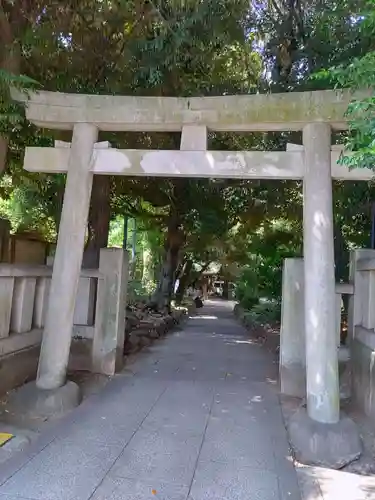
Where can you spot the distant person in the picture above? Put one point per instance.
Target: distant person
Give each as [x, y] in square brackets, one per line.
[198, 298]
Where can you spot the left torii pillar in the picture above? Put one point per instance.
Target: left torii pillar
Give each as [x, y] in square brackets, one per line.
[53, 395]
[57, 336]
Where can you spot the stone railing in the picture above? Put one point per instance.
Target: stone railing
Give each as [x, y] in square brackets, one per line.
[23, 298]
[365, 292]
[24, 294]
[99, 310]
[292, 333]
[362, 330]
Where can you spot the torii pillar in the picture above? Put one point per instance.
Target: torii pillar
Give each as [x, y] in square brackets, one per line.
[53, 394]
[322, 380]
[320, 435]
[68, 259]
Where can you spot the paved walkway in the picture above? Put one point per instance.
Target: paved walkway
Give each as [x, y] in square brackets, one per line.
[196, 418]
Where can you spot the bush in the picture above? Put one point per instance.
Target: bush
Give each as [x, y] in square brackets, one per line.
[266, 312]
[138, 290]
[261, 279]
[247, 291]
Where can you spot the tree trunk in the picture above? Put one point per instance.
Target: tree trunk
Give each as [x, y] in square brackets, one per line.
[99, 219]
[184, 281]
[163, 294]
[10, 61]
[226, 290]
[147, 269]
[3, 153]
[133, 268]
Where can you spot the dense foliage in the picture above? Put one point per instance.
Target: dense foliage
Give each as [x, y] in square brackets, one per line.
[359, 76]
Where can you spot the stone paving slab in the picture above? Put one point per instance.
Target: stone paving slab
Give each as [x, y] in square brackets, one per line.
[130, 489]
[63, 471]
[184, 422]
[214, 480]
[162, 457]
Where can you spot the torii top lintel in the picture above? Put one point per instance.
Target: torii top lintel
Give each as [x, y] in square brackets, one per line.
[240, 113]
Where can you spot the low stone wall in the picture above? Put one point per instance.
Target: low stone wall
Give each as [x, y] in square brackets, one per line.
[363, 377]
[18, 368]
[149, 330]
[21, 366]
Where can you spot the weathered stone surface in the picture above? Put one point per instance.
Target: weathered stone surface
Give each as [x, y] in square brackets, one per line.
[85, 303]
[326, 445]
[43, 286]
[29, 406]
[292, 333]
[58, 327]
[132, 344]
[110, 315]
[145, 341]
[153, 334]
[241, 164]
[178, 315]
[143, 331]
[23, 305]
[193, 163]
[19, 367]
[227, 113]
[6, 297]
[363, 372]
[144, 327]
[320, 306]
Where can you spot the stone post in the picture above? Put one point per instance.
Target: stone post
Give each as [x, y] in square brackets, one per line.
[6, 299]
[109, 336]
[23, 304]
[54, 355]
[322, 382]
[358, 302]
[41, 301]
[292, 333]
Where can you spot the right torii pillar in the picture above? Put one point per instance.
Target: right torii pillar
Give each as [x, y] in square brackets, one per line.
[320, 435]
[322, 380]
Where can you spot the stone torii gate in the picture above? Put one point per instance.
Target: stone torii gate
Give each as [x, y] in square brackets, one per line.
[315, 113]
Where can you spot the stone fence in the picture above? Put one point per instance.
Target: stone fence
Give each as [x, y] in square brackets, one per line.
[359, 352]
[99, 315]
[362, 324]
[292, 333]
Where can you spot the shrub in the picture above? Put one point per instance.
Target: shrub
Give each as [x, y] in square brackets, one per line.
[266, 312]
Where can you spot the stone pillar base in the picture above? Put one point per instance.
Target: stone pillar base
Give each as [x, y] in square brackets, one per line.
[325, 445]
[28, 406]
